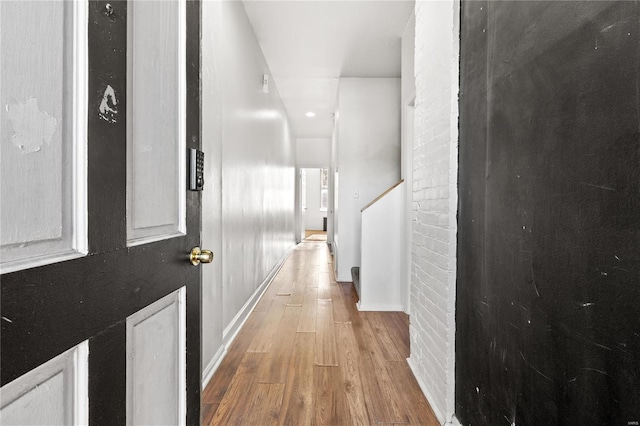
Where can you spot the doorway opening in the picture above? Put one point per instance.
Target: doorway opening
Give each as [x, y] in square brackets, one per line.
[314, 201]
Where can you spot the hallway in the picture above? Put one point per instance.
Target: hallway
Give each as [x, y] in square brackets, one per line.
[307, 356]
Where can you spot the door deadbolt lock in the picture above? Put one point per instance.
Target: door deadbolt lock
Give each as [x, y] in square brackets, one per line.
[199, 256]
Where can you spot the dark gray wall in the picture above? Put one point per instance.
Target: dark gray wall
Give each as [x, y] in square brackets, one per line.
[548, 299]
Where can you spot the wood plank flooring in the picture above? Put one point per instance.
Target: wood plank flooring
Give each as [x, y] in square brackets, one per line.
[307, 356]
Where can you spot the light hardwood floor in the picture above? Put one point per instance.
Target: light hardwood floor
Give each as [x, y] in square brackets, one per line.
[307, 356]
[310, 232]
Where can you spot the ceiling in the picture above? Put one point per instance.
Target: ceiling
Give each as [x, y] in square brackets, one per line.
[308, 45]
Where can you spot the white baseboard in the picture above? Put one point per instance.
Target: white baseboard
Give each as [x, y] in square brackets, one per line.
[436, 410]
[231, 331]
[213, 365]
[382, 308]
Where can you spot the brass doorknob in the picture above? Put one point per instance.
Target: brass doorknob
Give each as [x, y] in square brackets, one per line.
[198, 256]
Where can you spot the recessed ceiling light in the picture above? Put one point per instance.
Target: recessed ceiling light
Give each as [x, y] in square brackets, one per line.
[310, 114]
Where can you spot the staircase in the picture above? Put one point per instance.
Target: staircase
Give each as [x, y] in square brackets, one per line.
[355, 276]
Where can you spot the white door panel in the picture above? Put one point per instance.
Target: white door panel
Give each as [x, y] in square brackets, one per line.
[43, 142]
[156, 96]
[55, 393]
[156, 363]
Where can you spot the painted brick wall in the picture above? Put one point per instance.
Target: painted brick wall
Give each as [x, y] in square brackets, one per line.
[435, 169]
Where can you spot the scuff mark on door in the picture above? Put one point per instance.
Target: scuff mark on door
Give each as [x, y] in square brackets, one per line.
[31, 127]
[108, 105]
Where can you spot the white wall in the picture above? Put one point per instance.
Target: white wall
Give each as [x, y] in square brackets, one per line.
[381, 247]
[248, 207]
[313, 152]
[408, 44]
[435, 167]
[368, 158]
[212, 324]
[313, 218]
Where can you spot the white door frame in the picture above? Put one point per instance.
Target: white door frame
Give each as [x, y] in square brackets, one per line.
[407, 175]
